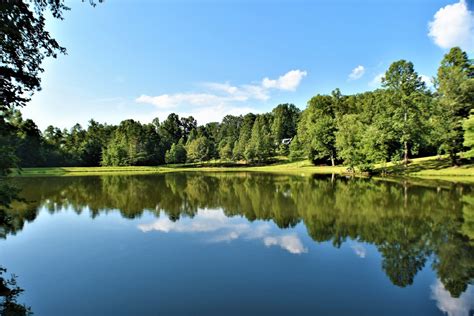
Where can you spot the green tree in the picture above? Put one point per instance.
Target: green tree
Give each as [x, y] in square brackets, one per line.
[455, 82]
[317, 128]
[297, 149]
[29, 148]
[364, 134]
[176, 154]
[284, 125]
[261, 145]
[198, 150]
[187, 124]
[228, 135]
[408, 104]
[225, 148]
[171, 130]
[244, 136]
[96, 138]
[74, 142]
[24, 44]
[349, 141]
[128, 146]
[469, 134]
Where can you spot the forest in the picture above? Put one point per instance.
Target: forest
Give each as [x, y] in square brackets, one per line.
[403, 119]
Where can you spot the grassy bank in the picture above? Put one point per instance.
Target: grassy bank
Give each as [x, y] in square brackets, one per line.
[303, 167]
[430, 167]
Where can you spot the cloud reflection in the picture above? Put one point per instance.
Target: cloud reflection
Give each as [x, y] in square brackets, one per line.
[359, 250]
[291, 243]
[226, 229]
[452, 306]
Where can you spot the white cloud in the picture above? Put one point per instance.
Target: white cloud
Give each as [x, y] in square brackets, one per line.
[359, 250]
[221, 228]
[377, 80]
[220, 99]
[357, 72]
[452, 306]
[215, 113]
[225, 87]
[453, 25]
[289, 81]
[166, 101]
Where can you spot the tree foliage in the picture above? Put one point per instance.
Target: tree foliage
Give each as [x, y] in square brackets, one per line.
[469, 135]
[455, 82]
[176, 154]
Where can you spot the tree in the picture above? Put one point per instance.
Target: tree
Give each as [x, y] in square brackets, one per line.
[128, 146]
[198, 150]
[407, 103]
[24, 44]
[74, 144]
[228, 135]
[364, 134]
[29, 147]
[359, 145]
[96, 138]
[176, 154]
[187, 124]
[261, 144]
[8, 160]
[349, 141]
[317, 128]
[285, 122]
[211, 132]
[225, 148]
[456, 98]
[244, 136]
[171, 130]
[297, 150]
[469, 134]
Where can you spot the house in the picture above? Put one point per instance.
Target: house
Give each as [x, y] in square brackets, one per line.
[286, 141]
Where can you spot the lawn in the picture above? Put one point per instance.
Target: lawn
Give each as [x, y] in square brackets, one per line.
[429, 167]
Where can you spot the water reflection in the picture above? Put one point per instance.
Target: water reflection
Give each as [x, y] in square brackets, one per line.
[453, 306]
[226, 229]
[410, 224]
[9, 292]
[359, 250]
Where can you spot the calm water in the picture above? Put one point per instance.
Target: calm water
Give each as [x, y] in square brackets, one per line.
[235, 244]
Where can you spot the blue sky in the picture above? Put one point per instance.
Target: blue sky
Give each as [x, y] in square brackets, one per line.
[145, 59]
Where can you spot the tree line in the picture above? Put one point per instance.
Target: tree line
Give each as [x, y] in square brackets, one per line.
[402, 119]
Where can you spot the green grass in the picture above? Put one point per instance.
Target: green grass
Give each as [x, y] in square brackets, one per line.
[428, 167]
[300, 167]
[434, 166]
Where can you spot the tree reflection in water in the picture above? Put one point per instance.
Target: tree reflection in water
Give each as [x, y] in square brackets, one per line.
[408, 222]
[9, 292]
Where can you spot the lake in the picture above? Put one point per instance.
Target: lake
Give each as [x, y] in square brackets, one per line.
[240, 244]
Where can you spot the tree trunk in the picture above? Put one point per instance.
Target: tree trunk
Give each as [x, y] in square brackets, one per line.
[332, 161]
[405, 158]
[452, 155]
[454, 159]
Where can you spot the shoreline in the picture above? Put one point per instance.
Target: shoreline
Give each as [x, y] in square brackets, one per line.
[419, 168]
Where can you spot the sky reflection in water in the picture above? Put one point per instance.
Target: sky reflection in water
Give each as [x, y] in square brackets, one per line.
[215, 244]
